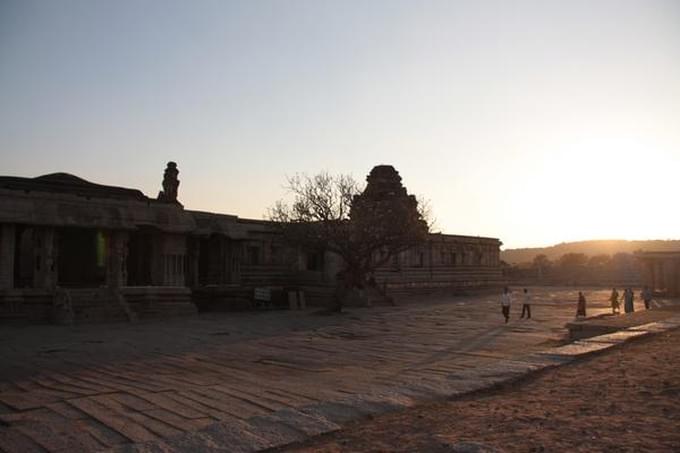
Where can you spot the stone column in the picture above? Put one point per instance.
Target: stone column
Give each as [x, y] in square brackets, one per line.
[171, 251]
[116, 264]
[157, 260]
[45, 254]
[226, 249]
[7, 250]
[235, 263]
[332, 265]
[648, 273]
[193, 260]
[658, 275]
[669, 277]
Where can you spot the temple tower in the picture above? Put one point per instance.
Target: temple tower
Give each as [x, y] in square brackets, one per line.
[170, 184]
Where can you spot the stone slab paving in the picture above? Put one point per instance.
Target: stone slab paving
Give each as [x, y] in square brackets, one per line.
[616, 337]
[244, 382]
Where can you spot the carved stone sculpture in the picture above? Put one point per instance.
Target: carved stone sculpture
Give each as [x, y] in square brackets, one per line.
[170, 184]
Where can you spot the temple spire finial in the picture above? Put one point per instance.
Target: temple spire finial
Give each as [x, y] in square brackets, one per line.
[170, 184]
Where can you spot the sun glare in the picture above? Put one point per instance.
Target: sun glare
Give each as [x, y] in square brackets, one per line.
[599, 189]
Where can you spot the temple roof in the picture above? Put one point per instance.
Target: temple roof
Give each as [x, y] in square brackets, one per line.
[208, 223]
[70, 184]
[383, 181]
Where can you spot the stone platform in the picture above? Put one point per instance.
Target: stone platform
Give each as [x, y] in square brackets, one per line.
[607, 323]
[245, 382]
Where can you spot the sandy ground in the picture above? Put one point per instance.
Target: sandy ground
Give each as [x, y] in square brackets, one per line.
[626, 399]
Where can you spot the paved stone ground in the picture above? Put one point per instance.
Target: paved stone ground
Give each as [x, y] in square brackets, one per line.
[258, 380]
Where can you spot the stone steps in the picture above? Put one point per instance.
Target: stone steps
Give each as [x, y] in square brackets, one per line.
[95, 305]
[160, 302]
[20, 304]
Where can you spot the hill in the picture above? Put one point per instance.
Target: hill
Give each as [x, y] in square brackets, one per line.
[609, 247]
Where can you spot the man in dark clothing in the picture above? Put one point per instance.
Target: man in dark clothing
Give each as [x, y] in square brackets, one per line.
[646, 295]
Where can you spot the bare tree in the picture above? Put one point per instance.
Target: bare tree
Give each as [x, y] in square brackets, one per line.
[366, 228]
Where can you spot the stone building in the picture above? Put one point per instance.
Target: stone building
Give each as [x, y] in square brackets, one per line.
[661, 271]
[72, 249]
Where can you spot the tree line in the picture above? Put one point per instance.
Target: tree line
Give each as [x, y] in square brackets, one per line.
[578, 268]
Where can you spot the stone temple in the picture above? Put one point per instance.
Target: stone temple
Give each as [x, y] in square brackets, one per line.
[84, 251]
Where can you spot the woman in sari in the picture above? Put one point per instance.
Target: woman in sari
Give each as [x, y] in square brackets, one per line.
[614, 299]
[628, 301]
[581, 307]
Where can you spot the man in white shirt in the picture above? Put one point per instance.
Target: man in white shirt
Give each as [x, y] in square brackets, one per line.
[506, 301]
[526, 304]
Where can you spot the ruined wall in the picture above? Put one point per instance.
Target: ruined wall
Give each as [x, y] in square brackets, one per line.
[445, 262]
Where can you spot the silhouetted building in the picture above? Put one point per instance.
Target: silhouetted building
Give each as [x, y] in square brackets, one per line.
[661, 271]
[114, 253]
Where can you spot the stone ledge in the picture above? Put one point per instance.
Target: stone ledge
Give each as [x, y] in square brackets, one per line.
[605, 324]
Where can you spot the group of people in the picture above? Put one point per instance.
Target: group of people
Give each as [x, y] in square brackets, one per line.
[506, 302]
[628, 302]
[628, 299]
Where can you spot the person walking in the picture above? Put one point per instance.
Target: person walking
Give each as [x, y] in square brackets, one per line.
[506, 301]
[628, 301]
[646, 296]
[581, 306]
[526, 304]
[614, 299]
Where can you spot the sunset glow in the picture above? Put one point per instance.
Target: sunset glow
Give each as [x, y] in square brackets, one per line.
[534, 122]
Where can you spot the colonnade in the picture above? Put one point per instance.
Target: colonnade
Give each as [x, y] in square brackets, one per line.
[44, 257]
[662, 272]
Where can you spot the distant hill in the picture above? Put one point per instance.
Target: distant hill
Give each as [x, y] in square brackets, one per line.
[590, 248]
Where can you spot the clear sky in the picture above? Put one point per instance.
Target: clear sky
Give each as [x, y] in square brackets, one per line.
[533, 121]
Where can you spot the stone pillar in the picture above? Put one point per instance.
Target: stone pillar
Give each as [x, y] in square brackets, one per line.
[658, 275]
[45, 259]
[193, 260]
[669, 277]
[235, 264]
[157, 260]
[226, 250]
[116, 263]
[333, 264]
[7, 250]
[647, 267]
[169, 258]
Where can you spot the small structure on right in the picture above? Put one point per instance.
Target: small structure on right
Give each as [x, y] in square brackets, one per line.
[661, 271]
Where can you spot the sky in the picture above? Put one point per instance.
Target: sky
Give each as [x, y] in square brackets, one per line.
[536, 122]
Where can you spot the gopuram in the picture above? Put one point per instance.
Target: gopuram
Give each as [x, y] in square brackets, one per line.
[78, 251]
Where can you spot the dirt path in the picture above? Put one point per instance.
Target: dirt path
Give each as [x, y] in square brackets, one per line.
[627, 399]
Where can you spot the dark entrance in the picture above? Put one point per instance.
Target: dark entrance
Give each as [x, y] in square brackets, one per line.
[211, 261]
[215, 264]
[82, 257]
[24, 257]
[139, 257]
